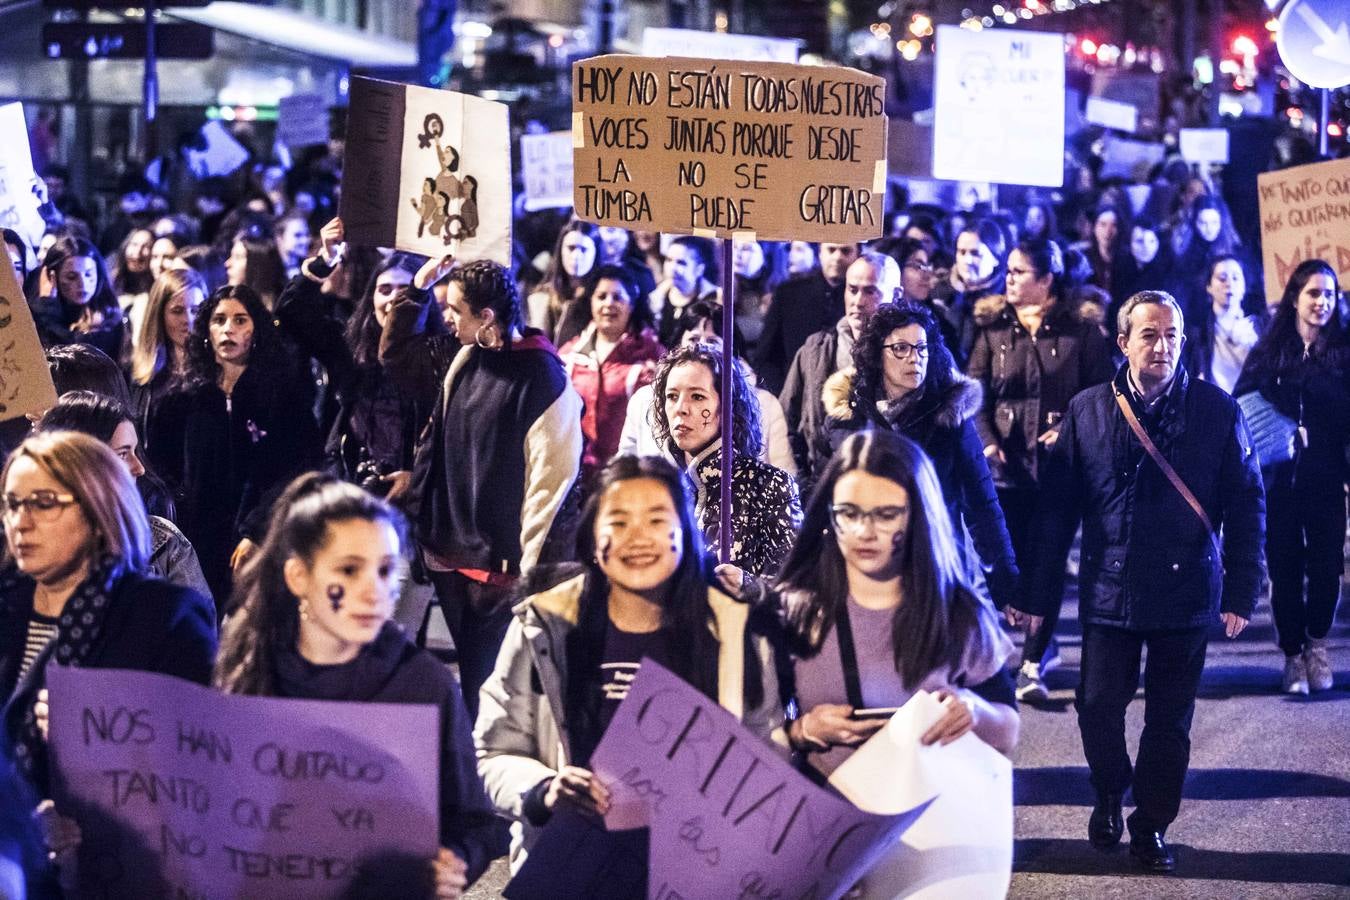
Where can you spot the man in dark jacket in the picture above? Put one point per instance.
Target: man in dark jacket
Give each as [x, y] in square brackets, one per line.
[800, 307]
[1151, 574]
[873, 279]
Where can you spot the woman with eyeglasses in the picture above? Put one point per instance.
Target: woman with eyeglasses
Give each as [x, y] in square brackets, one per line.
[74, 592]
[903, 381]
[878, 608]
[1033, 352]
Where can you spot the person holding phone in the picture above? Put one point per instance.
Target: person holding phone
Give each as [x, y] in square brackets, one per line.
[877, 609]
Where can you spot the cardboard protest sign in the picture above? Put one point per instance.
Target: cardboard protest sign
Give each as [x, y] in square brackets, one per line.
[715, 45]
[1305, 214]
[729, 149]
[1204, 145]
[962, 845]
[25, 380]
[18, 201]
[427, 171]
[999, 97]
[181, 791]
[546, 169]
[302, 120]
[728, 816]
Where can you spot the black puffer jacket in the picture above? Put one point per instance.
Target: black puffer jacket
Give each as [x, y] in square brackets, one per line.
[1029, 379]
[1148, 561]
[807, 427]
[943, 427]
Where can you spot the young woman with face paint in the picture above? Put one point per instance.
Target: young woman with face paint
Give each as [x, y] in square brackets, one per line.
[82, 308]
[313, 623]
[233, 432]
[686, 418]
[575, 644]
[1301, 365]
[878, 608]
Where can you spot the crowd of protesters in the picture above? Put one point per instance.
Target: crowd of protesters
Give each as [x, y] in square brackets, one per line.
[258, 420]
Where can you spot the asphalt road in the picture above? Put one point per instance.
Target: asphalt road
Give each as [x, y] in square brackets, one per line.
[1266, 812]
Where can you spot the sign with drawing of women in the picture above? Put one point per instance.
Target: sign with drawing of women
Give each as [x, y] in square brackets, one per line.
[414, 180]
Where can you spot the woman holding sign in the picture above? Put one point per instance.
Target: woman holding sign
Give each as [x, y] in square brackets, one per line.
[878, 608]
[573, 648]
[314, 624]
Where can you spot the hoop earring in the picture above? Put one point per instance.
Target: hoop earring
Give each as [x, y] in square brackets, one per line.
[493, 343]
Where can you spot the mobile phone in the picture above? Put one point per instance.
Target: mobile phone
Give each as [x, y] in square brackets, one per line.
[875, 712]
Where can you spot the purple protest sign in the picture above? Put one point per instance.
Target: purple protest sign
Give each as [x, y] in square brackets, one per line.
[729, 816]
[181, 791]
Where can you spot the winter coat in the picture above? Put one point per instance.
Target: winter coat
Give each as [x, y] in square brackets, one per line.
[667, 314]
[496, 468]
[391, 669]
[605, 388]
[1029, 379]
[943, 426]
[227, 459]
[522, 728]
[173, 558]
[801, 306]
[1148, 562]
[638, 440]
[54, 318]
[148, 625]
[803, 408]
[766, 510]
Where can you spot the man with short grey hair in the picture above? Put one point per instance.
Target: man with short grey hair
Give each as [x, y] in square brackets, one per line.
[1153, 464]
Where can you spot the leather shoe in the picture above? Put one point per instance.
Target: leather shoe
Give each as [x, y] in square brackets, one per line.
[1105, 825]
[1152, 852]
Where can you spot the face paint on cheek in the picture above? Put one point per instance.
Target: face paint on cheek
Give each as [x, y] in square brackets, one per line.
[707, 414]
[674, 542]
[335, 594]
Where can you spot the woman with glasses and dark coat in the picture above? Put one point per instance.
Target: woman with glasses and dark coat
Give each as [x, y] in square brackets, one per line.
[903, 380]
[1033, 351]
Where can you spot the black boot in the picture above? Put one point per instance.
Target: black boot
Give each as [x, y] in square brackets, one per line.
[1152, 851]
[1105, 826]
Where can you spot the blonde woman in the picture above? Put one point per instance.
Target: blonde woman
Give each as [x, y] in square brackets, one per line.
[160, 354]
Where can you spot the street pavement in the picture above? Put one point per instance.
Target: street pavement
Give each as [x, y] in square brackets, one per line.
[1266, 812]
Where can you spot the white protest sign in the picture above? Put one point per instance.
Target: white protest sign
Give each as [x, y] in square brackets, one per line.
[302, 120]
[427, 171]
[1122, 156]
[1112, 114]
[999, 97]
[219, 153]
[181, 791]
[18, 202]
[546, 169]
[1204, 145]
[713, 45]
[962, 845]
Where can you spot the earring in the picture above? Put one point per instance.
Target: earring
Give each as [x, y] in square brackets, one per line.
[304, 611]
[493, 341]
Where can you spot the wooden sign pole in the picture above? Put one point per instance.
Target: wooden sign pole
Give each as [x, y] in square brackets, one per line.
[727, 388]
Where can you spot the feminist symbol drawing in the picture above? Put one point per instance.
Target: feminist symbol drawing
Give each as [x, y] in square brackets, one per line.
[448, 206]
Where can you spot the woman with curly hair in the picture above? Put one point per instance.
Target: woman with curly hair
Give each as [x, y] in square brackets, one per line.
[1300, 366]
[229, 437]
[687, 421]
[903, 380]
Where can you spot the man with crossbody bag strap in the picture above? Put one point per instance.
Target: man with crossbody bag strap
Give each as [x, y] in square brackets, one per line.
[1154, 465]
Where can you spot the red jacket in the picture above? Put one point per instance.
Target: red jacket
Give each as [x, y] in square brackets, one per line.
[605, 387]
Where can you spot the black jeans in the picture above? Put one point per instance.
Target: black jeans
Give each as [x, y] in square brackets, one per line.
[1019, 510]
[477, 615]
[1110, 677]
[1305, 538]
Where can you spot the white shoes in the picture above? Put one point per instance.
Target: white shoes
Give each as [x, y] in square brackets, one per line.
[1295, 679]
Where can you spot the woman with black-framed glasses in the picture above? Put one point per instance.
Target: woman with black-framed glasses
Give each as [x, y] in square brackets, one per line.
[903, 380]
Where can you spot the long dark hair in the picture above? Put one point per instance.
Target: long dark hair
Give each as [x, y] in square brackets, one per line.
[266, 352]
[869, 383]
[640, 308]
[747, 436]
[1046, 258]
[363, 330]
[104, 299]
[267, 616]
[125, 281]
[939, 614]
[1280, 349]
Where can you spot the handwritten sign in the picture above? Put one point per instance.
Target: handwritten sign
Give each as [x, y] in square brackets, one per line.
[728, 816]
[18, 202]
[184, 792]
[302, 120]
[1305, 214]
[962, 845]
[729, 149]
[546, 168]
[25, 381]
[999, 97]
[715, 45]
[427, 171]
